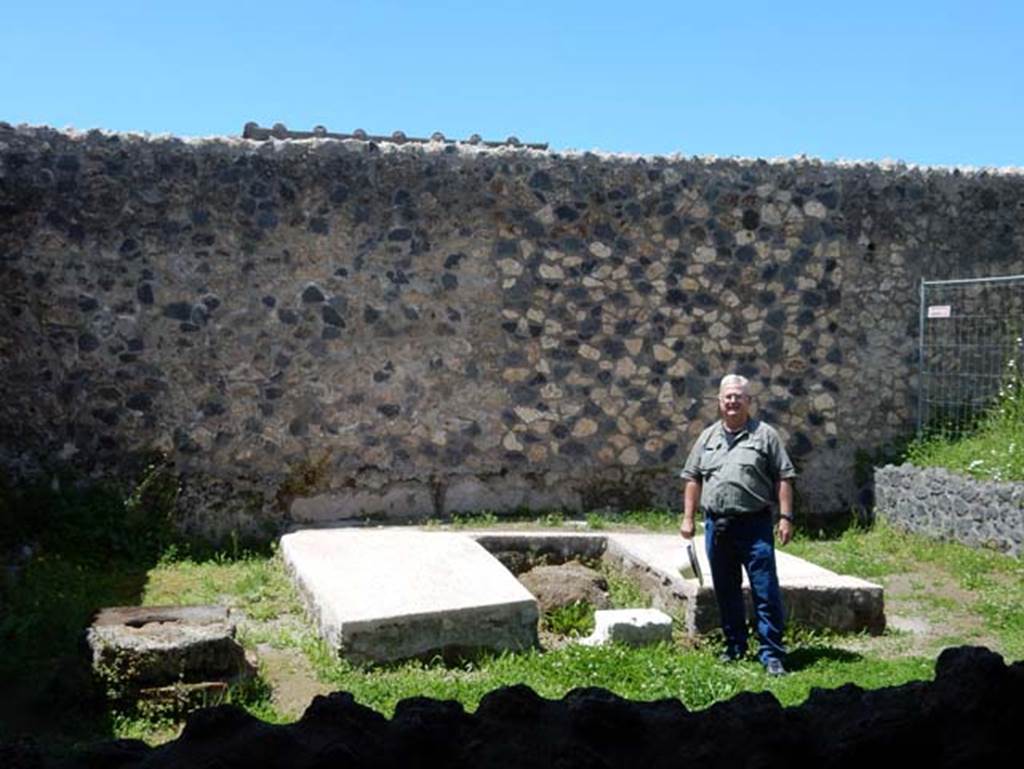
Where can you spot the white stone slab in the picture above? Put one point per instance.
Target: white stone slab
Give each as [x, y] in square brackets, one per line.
[387, 594]
[813, 595]
[665, 553]
[635, 627]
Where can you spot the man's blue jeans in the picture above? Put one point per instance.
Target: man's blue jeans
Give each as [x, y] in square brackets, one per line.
[745, 542]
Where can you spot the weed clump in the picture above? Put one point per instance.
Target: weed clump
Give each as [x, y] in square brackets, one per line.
[992, 448]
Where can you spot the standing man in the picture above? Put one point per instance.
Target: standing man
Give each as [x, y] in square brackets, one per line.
[735, 472]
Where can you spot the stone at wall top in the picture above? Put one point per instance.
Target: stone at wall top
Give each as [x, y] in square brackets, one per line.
[885, 165]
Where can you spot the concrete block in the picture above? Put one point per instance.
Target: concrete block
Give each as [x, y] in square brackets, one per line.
[387, 594]
[655, 562]
[635, 627]
[140, 649]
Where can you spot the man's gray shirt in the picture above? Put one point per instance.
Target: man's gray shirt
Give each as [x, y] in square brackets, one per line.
[738, 475]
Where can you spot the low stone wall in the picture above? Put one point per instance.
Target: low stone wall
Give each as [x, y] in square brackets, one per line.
[951, 506]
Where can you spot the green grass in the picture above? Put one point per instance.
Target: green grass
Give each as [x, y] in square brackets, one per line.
[992, 449]
[993, 454]
[483, 519]
[44, 674]
[691, 673]
[994, 581]
[97, 547]
[693, 676]
[867, 553]
[575, 620]
[255, 583]
[652, 519]
[623, 592]
[41, 670]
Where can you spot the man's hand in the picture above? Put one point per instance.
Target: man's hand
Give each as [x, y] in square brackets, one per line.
[785, 496]
[691, 498]
[785, 531]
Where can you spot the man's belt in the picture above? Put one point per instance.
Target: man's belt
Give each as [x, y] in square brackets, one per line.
[735, 513]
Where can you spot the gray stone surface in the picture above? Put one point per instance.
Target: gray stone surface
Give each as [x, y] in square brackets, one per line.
[149, 650]
[387, 594]
[633, 627]
[952, 506]
[355, 322]
[396, 501]
[472, 494]
[813, 596]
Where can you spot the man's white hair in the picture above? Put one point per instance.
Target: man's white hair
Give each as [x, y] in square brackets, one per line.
[734, 380]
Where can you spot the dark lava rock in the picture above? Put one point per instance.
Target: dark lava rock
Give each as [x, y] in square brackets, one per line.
[541, 180]
[331, 316]
[968, 716]
[566, 214]
[88, 343]
[178, 311]
[312, 295]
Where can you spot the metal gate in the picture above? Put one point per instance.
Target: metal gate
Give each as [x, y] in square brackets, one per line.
[970, 348]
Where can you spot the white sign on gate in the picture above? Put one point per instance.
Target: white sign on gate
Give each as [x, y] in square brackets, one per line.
[939, 311]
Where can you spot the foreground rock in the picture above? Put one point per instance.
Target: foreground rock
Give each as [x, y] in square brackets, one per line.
[969, 716]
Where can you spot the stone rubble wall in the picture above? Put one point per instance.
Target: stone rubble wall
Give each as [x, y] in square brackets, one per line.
[319, 329]
[947, 505]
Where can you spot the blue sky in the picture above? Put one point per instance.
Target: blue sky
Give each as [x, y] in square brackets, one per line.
[926, 82]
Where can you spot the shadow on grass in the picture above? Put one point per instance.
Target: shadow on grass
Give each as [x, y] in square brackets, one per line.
[808, 656]
[826, 528]
[44, 670]
[67, 551]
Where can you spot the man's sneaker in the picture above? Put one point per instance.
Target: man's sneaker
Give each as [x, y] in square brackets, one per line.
[773, 667]
[727, 657]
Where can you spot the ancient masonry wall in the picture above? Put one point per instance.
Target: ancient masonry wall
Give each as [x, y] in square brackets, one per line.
[319, 329]
[948, 505]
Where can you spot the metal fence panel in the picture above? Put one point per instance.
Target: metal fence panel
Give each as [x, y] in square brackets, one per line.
[970, 347]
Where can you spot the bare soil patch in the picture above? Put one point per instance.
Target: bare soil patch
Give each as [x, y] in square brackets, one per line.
[926, 611]
[291, 678]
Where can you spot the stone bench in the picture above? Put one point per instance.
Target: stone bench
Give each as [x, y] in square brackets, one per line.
[387, 594]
